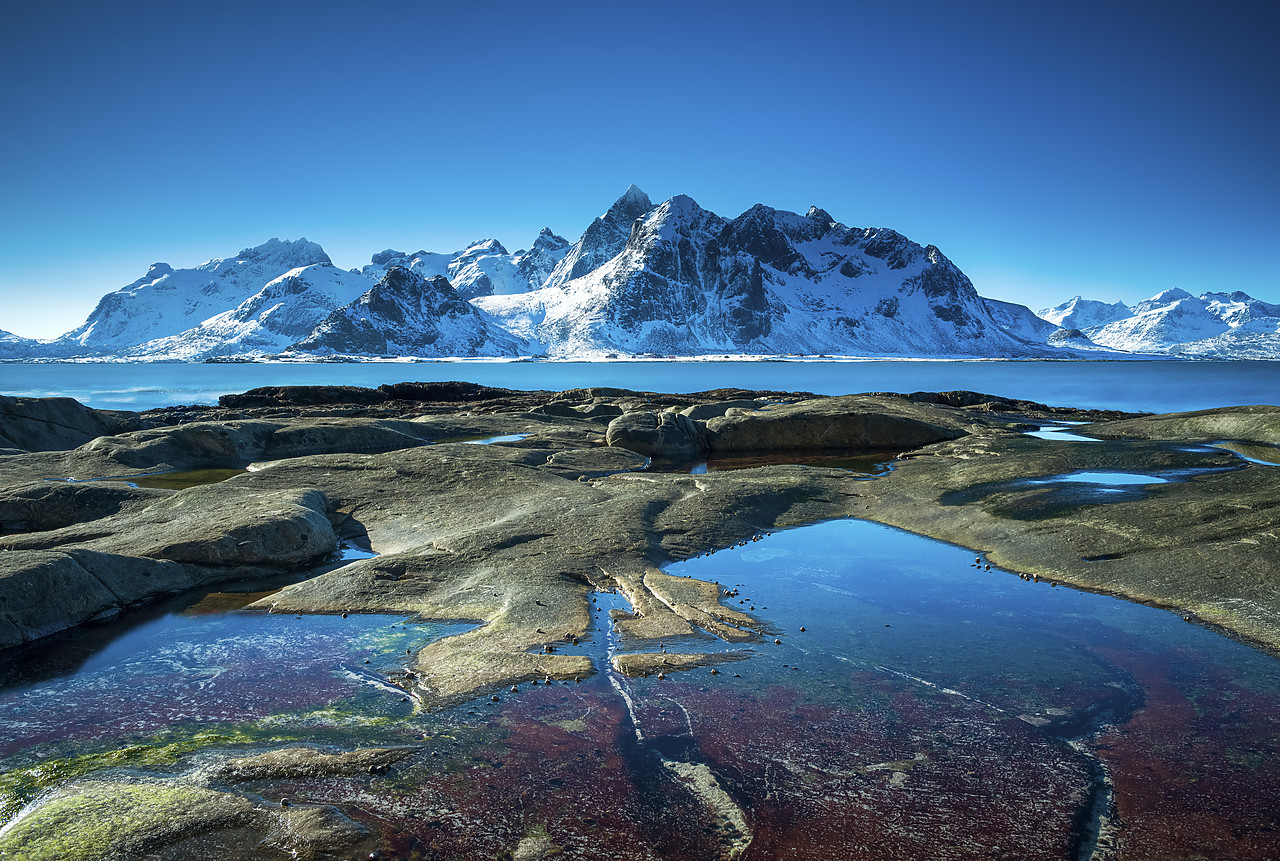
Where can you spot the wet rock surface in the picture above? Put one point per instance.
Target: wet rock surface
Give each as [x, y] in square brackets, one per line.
[1200, 538]
[515, 538]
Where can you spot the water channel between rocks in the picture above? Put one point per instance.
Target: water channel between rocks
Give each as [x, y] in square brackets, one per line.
[918, 705]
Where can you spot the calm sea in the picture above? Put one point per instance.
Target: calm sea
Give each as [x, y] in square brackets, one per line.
[1155, 386]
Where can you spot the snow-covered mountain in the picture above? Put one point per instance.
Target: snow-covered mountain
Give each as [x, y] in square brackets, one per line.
[284, 311]
[670, 279]
[537, 264]
[483, 268]
[14, 347]
[687, 281]
[408, 314]
[1220, 325]
[167, 301]
[1021, 321]
[1078, 313]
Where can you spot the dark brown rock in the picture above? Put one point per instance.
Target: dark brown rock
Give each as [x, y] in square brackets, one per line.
[277, 396]
[54, 424]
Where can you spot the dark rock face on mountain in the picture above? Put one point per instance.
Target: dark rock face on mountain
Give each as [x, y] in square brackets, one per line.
[537, 264]
[603, 238]
[407, 314]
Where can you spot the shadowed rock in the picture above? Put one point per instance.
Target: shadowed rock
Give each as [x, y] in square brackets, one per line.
[53, 424]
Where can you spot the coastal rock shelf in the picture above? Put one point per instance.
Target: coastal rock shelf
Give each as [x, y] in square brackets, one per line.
[571, 498]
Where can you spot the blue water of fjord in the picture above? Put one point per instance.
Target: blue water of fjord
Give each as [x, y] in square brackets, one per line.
[1139, 386]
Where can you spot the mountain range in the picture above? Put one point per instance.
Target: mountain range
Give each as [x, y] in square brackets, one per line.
[1174, 322]
[643, 279]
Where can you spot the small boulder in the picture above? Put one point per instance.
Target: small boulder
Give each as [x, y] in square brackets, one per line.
[665, 434]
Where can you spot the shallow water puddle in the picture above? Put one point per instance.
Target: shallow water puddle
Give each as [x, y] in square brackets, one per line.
[1106, 479]
[929, 708]
[1260, 453]
[1063, 432]
[183, 479]
[490, 440]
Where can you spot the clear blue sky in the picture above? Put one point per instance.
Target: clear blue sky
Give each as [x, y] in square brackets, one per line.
[1101, 148]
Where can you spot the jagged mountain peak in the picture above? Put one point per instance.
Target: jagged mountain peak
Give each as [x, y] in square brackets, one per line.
[604, 238]
[483, 246]
[626, 209]
[634, 195]
[302, 252]
[820, 215]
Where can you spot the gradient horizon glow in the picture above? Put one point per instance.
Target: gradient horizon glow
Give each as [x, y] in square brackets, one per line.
[1112, 150]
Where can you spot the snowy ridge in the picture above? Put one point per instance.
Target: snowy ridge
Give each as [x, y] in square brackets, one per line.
[286, 310]
[1021, 321]
[1175, 322]
[671, 279]
[167, 301]
[407, 314]
[1078, 313]
[483, 268]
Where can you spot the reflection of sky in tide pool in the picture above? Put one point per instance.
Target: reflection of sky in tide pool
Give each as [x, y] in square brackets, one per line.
[903, 629]
[929, 708]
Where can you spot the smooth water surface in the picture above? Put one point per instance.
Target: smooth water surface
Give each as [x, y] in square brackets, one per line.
[904, 700]
[1152, 386]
